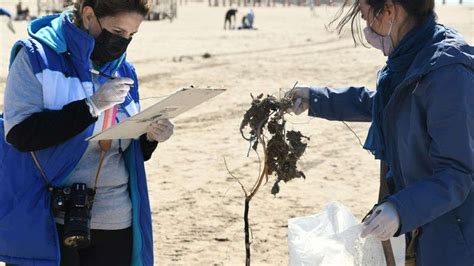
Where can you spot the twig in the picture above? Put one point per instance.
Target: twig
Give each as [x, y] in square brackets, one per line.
[246, 230]
[236, 178]
[354, 133]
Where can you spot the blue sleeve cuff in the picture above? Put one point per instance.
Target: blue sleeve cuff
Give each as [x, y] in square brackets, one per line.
[402, 214]
[315, 94]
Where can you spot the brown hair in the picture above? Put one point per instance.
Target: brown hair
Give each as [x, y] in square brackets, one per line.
[417, 9]
[103, 8]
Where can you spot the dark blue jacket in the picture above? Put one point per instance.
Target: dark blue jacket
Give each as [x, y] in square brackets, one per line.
[429, 139]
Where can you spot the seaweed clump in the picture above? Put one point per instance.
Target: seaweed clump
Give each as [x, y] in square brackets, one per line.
[265, 120]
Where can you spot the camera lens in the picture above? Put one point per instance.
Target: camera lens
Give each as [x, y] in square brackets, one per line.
[77, 228]
[76, 241]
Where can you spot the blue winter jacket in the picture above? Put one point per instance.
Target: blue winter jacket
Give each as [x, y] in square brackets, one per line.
[59, 53]
[429, 139]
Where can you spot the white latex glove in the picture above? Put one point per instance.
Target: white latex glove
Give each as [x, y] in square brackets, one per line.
[160, 130]
[300, 100]
[111, 93]
[383, 223]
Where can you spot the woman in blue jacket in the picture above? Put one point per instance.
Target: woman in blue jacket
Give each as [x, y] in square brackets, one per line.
[422, 116]
[69, 80]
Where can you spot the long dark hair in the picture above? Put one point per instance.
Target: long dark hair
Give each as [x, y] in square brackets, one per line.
[417, 9]
[104, 8]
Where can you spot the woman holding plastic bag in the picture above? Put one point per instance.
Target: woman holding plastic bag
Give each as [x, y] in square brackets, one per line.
[422, 127]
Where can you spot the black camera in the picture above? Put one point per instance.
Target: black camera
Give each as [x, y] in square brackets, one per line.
[76, 203]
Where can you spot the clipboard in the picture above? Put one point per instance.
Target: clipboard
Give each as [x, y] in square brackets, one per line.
[170, 107]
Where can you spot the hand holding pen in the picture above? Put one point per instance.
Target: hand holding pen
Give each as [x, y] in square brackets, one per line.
[111, 93]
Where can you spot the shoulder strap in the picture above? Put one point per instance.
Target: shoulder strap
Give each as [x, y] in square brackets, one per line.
[46, 180]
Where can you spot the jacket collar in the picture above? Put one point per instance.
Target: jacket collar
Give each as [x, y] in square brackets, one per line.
[445, 47]
[60, 34]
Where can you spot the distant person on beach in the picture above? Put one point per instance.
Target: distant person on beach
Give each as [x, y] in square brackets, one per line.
[422, 130]
[247, 21]
[65, 200]
[22, 13]
[230, 18]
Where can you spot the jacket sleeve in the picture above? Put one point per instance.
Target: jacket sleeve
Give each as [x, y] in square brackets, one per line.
[148, 147]
[49, 128]
[28, 126]
[347, 104]
[448, 98]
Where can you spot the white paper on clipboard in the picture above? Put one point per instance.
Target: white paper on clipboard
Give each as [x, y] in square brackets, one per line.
[170, 107]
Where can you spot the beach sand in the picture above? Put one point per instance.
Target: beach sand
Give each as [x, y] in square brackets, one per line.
[197, 207]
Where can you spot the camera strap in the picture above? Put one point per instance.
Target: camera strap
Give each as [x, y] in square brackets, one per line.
[46, 180]
[109, 120]
[105, 147]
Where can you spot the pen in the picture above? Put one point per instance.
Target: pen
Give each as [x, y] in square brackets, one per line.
[97, 72]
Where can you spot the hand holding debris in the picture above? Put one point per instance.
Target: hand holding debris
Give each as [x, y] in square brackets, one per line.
[299, 98]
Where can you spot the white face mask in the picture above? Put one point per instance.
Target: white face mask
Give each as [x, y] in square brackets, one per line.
[378, 41]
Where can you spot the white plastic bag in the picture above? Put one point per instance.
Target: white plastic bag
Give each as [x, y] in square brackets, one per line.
[332, 237]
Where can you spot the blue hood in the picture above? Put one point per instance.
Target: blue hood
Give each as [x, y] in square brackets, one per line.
[49, 30]
[60, 34]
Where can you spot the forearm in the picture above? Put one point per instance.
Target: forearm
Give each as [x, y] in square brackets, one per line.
[49, 128]
[148, 147]
[349, 104]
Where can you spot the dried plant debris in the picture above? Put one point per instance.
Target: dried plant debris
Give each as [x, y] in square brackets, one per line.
[265, 120]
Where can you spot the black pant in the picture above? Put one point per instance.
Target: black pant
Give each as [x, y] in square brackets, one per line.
[108, 247]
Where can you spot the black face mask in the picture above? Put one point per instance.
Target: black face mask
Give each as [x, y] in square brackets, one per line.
[108, 46]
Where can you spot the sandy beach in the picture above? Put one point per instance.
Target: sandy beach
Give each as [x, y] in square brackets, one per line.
[197, 207]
